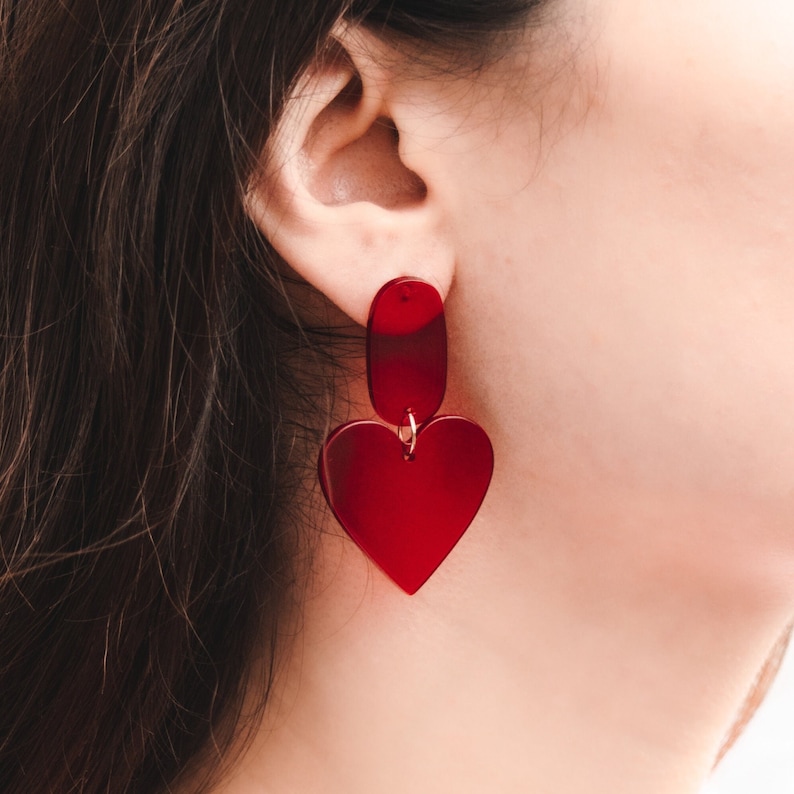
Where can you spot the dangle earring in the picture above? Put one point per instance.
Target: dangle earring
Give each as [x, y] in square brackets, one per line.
[406, 498]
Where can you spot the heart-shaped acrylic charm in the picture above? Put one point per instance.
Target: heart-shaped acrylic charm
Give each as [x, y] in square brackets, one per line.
[407, 514]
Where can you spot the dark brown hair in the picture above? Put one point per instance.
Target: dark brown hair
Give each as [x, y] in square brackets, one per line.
[147, 349]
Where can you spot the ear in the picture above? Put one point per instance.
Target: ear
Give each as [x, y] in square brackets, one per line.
[335, 195]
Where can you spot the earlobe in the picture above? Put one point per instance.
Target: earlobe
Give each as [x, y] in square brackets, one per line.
[334, 195]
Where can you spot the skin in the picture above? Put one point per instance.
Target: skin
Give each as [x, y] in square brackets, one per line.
[607, 211]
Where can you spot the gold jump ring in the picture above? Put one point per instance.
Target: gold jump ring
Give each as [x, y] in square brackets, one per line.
[409, 444]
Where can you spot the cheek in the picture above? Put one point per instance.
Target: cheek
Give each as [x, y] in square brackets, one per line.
[706, 89]
[689, 168]
[640, 274]
[601, 370]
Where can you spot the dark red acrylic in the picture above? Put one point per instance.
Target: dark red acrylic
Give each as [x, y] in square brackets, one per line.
[406, 351]
[407, 515]
[407, 498]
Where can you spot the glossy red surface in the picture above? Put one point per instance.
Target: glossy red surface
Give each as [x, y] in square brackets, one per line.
[406, 350]
[407, 515]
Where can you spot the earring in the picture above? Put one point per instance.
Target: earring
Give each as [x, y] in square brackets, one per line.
[406, 498]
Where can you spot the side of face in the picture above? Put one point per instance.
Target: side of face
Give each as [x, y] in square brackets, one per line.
[622, 204]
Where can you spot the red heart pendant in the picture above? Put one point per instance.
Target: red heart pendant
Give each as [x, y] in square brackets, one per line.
[407, 515]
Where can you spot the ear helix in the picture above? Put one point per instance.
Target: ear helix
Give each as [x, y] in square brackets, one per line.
[407, 497]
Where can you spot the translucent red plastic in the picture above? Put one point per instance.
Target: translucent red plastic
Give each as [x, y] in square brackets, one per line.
[407, 351]
[407, 515]
[407, 497]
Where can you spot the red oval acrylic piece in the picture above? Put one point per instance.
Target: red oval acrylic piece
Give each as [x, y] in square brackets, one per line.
[407, 515]
[407, 350]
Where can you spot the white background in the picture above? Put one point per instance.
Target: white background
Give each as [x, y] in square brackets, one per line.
[762, 761]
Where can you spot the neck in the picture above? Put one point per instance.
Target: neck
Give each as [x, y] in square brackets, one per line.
[541, 657]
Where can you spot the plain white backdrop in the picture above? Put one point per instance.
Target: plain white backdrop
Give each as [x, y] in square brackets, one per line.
[762, 761]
